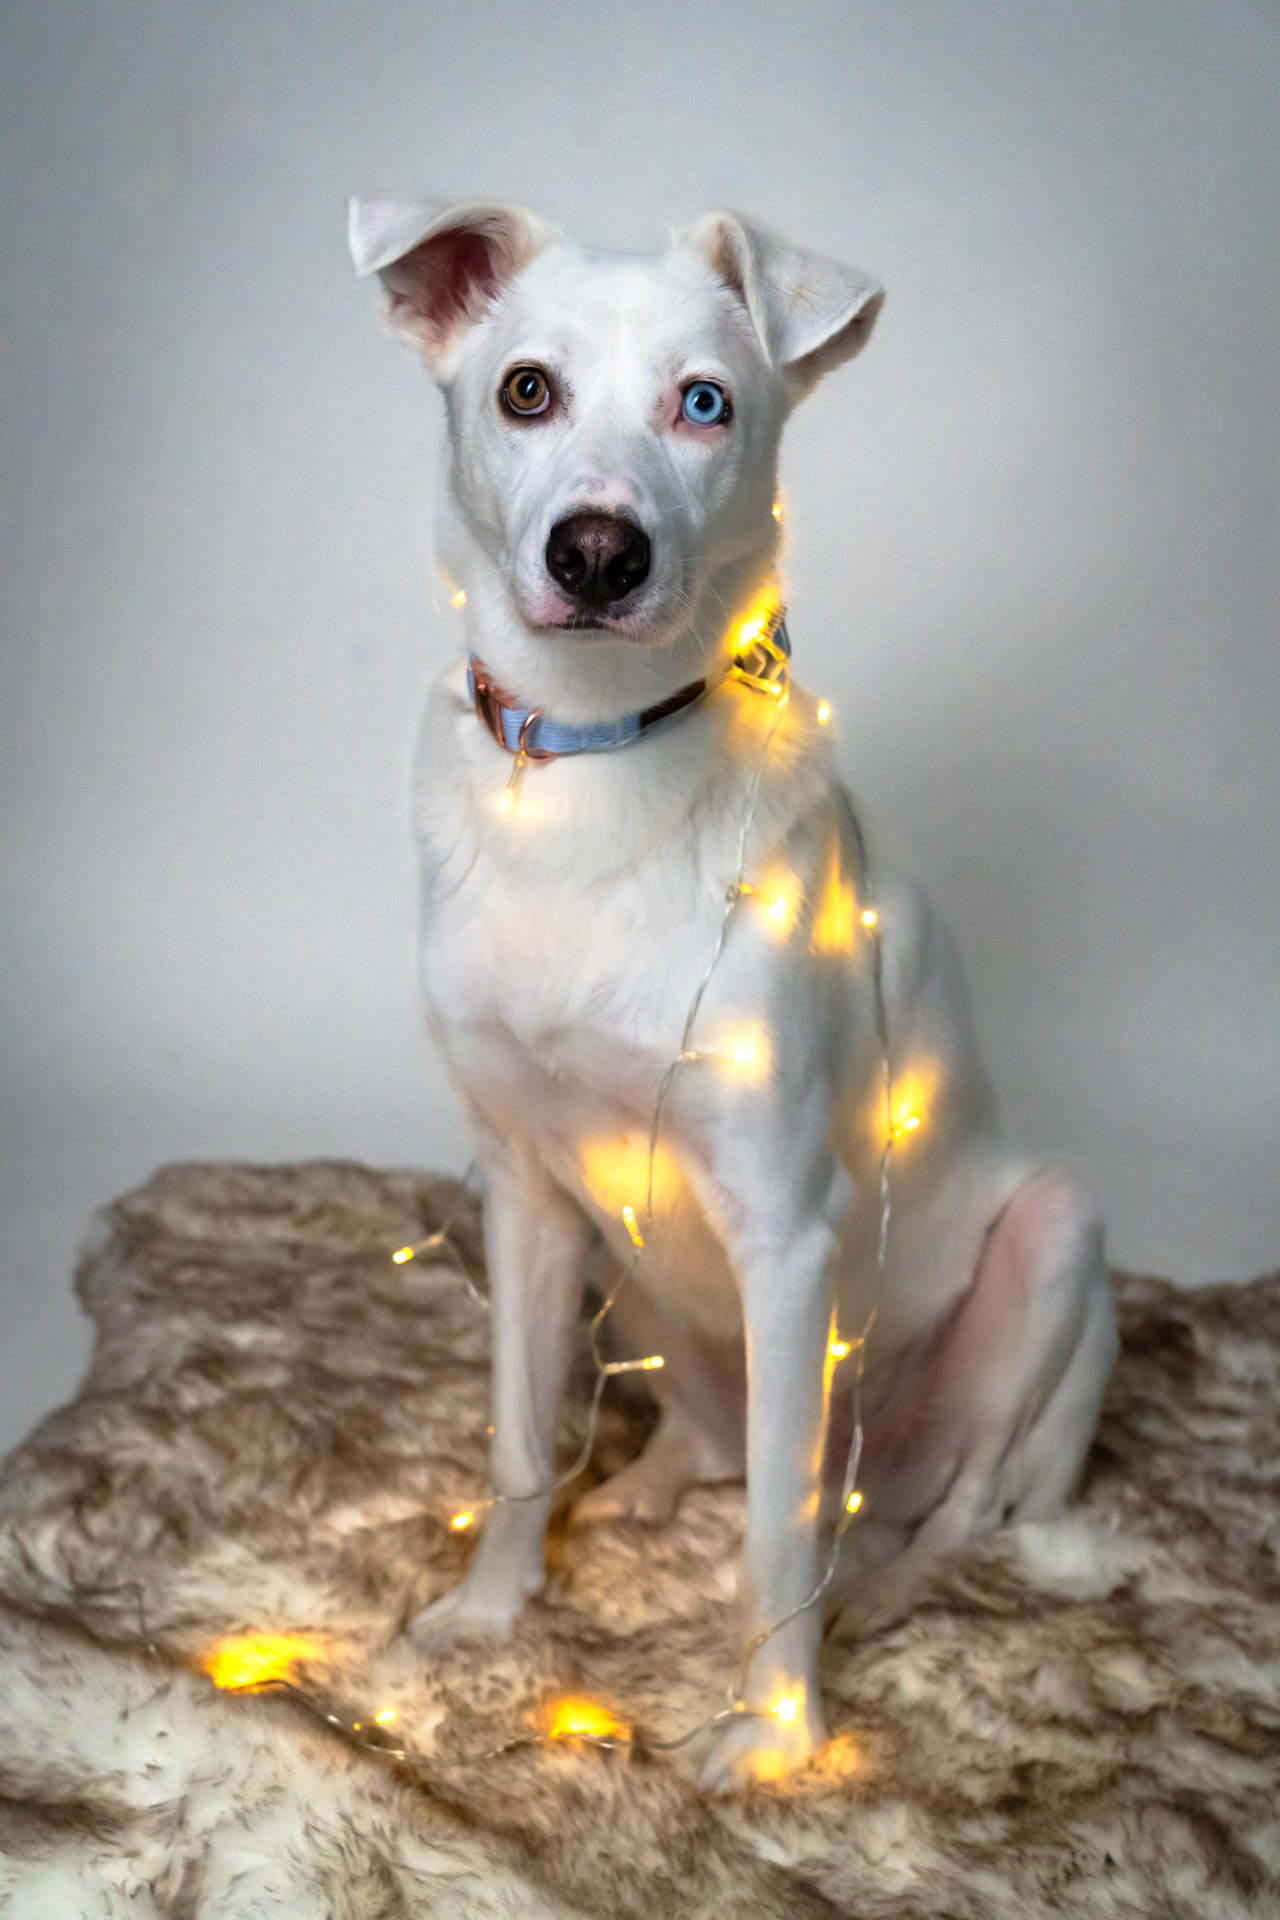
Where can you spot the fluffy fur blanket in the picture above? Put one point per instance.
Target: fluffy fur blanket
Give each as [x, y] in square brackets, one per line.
[1080, 1717]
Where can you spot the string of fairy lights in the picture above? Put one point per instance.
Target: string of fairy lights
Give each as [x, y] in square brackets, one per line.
[255, 1663]
[761, 664]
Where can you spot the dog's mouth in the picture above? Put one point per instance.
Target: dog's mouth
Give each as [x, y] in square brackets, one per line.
[627, 626]
[596, 622]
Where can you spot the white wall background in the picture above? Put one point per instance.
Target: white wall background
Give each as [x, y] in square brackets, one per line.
[1034, 551]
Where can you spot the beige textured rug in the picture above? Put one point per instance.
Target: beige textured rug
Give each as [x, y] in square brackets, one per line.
[1078, 1718]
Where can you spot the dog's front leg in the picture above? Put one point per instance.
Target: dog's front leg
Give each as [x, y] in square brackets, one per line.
[535, 1240]
[786, 1283]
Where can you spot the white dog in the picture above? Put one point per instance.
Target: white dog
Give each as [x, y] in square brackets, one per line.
[609, 516]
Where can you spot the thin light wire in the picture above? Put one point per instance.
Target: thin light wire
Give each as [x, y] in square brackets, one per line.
[439, 1240]
[734, 895]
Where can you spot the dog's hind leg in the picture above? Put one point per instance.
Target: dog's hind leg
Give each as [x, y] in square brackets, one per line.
[700, 1437]
[1000, 1410]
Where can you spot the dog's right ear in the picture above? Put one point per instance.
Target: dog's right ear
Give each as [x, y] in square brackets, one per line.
[442, 262]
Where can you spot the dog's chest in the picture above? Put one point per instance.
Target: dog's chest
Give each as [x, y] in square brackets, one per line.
[587, 984]
[559, 1009]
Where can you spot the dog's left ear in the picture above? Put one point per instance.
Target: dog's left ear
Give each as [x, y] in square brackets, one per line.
[810, 312]
[442, 262]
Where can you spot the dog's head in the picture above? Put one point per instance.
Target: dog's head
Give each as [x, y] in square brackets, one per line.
[614, 419]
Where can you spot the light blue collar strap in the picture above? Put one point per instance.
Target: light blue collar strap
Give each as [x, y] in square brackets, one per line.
[761, 662]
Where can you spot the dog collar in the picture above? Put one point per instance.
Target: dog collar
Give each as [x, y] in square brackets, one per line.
[761, 662]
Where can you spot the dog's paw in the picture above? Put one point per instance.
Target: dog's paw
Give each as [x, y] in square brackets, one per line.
[466, 1614]
[765, 1746]
[641, 1491]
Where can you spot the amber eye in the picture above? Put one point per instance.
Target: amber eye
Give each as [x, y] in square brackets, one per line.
[525, 391]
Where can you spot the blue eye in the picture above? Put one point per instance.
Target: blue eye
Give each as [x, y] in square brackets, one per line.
[705, 404]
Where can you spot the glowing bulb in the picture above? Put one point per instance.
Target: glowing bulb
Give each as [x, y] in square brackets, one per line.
[577, 1716]
[461, 1521]
[833, 922]
[778, 906]
[401, 1255]
[385, 1718]
[909, 1125]
[629, 1221]
[749, 1053]
[250, 1659]
[869, 916]
[824, 712]
[507, 798]
[646, 1365]
[838, 1349]
[459, 597]
[751, 630]
[786, 1706]
[777, 509]
[854, 1501]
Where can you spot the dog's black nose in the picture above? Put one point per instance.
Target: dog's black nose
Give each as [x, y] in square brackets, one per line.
[597, 557]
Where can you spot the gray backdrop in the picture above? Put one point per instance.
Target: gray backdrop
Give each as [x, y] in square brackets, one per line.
[1034, 539]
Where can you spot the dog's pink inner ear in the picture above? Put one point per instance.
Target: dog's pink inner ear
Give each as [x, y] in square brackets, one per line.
[725, 255]
[442, 286]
